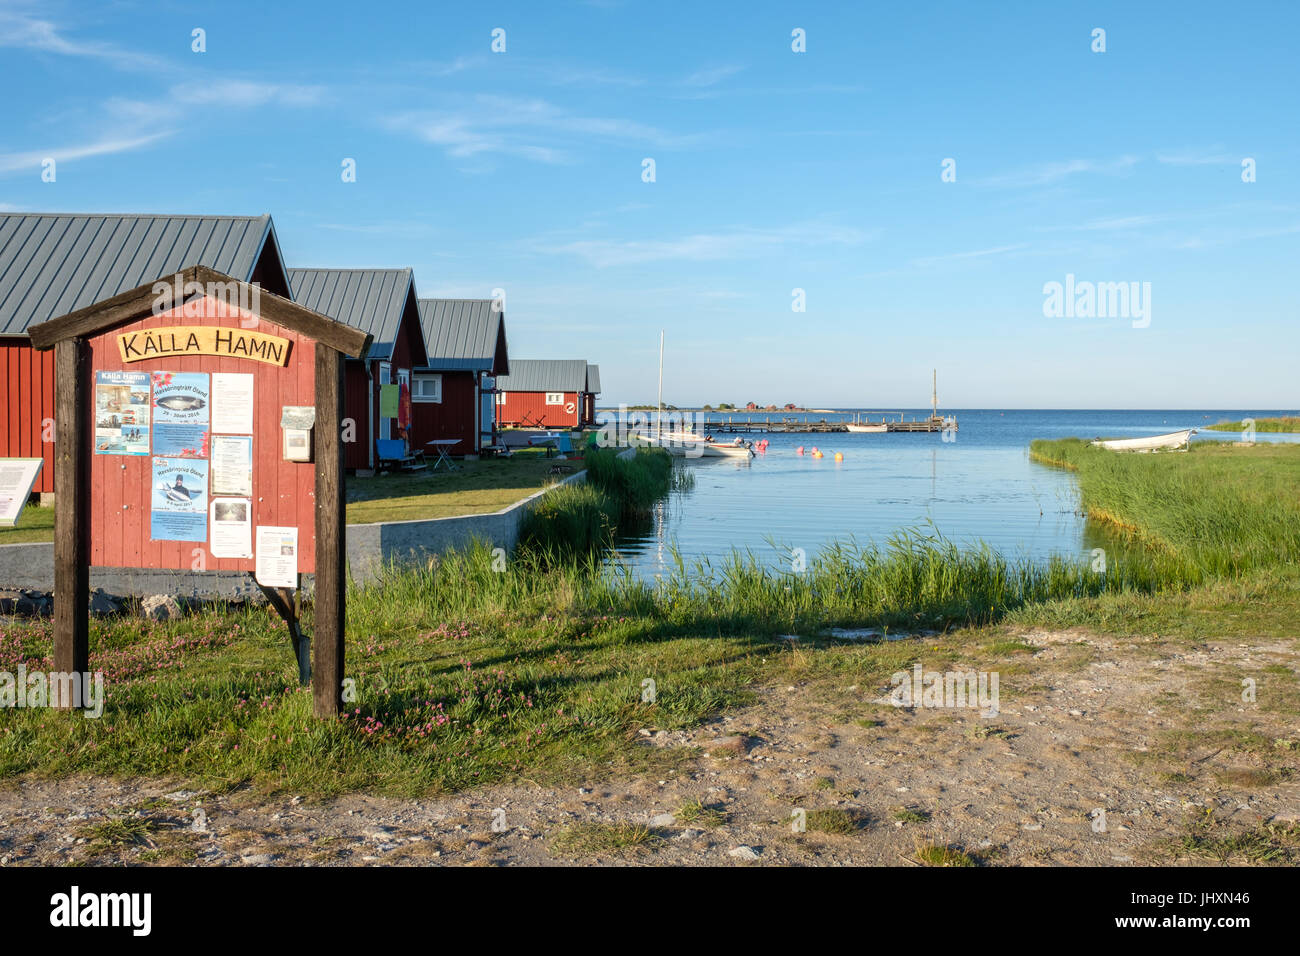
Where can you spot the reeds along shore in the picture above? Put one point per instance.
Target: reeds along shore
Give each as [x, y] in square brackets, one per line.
[1220, 510]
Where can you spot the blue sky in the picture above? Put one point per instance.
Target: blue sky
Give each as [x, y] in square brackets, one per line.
[774, 171]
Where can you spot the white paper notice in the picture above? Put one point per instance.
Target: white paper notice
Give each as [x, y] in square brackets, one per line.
[231, 532]
[277, 557]
[232, 403]
[17, 475]
[232, 465]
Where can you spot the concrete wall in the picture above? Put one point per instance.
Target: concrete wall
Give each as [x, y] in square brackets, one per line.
[369, 548]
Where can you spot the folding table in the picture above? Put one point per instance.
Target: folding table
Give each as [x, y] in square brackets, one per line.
[442, 446]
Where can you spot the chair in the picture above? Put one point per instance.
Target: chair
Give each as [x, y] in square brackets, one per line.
[392, 453]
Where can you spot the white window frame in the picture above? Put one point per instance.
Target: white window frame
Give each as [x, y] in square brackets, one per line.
[501, 398]
[554, 398]
[421, 378]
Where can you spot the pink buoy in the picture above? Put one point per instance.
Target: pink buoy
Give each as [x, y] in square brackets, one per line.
[799, 450]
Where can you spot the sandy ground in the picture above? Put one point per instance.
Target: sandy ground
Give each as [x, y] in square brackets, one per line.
[1153, 734]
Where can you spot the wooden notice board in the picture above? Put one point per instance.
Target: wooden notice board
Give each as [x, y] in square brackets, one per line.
[169, 450]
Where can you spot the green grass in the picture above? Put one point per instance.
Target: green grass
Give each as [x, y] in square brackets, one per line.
[588, 839]
[933, 854]
[697, 813]
[636, 482]
[477, 487]
[834, 820]
[1286, 423]
[1217, 510]
[34, 524]
[908, 815]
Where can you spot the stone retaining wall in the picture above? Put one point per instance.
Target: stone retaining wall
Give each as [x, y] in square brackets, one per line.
[369, 548]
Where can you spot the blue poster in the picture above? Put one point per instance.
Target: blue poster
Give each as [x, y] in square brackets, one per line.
[181, 398]
[178, 504]
[180, 441]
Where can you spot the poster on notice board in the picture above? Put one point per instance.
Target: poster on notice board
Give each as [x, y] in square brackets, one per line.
[181, 398]
[121, 413]
[277, 557]
[178, 502]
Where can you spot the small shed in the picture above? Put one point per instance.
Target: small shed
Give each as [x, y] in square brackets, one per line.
[382, 303]
[545, 393]
[54, 263]
[454, 394]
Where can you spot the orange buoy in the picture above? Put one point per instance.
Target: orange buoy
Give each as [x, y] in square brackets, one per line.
[839, 456]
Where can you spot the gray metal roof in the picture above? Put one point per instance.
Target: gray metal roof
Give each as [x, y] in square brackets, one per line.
[460, 334]
[545, 375]
[54, 263]
[593, 379]
[368, 299]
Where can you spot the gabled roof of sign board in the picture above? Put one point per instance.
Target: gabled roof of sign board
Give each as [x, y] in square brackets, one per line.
[545, 375]
[372, 300]
[461, 334]
[55, 263]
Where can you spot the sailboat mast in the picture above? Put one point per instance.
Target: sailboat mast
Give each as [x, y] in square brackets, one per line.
[659, 414]
[934, 395]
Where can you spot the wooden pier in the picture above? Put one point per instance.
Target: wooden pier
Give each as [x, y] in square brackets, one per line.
[794, 425]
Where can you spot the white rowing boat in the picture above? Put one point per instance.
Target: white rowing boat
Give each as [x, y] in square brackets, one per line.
[866, 429]
[690, 445]
[1149, 443]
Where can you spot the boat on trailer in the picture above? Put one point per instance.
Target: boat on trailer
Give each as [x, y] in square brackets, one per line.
[1149, 443]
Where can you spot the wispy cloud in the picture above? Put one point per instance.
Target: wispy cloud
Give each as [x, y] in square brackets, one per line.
[1048, 173]
[22, 30]
[1197, 158]
[972, 254]
[1231, 236]
[530, 128]
[741, 243]
[711, 76]
[244, 94]
[1111, 224]
[32, 159]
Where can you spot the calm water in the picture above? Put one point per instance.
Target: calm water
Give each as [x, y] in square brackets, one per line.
[982, 487]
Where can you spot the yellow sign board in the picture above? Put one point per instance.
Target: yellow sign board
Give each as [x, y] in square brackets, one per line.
[203, 340]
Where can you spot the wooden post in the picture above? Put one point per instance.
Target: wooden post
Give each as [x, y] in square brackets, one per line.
[72, 510]
[327, 639]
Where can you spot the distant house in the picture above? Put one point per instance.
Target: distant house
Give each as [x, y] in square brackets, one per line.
[52, 264]
[751, 406]
[547, 393]
[383, 303]
[453, 394]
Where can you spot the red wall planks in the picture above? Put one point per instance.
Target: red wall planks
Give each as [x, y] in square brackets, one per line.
[27, 390]
[529, 410]
[283, 492]
[456, 416]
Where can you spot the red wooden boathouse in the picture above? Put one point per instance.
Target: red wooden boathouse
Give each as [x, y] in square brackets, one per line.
[546, 393]
[55, 263]
[381, 302]
[453, 396]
